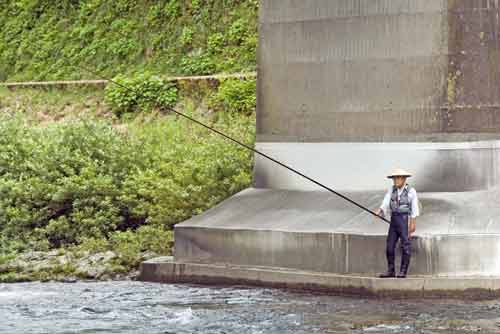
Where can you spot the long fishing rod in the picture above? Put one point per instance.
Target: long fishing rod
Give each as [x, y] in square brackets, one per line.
[236, 142]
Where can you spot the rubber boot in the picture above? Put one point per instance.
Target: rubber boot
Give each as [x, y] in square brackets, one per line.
[390, 273]
[387, 274]
[405, 263]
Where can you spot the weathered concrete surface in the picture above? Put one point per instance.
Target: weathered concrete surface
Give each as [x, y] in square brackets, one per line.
[378, 70]
[319, 232]
[166, 270]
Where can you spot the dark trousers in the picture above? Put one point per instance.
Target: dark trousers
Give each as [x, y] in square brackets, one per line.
[398, 230]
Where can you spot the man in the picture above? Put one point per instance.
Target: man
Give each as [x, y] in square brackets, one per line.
[401, 200]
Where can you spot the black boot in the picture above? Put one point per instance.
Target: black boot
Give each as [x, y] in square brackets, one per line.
[405, 263]
[388, 274]
[391, 268]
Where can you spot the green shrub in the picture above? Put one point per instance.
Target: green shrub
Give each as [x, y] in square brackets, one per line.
[215, 43]
[141, 92]
[6, 258]
[192, 172]
[92, 245]
[59, 232]
[186, 36]
[61, 181]
[235, 95]
[77, 183]
[198, 64]
[155, 239]
[128, 245]
[237, 31]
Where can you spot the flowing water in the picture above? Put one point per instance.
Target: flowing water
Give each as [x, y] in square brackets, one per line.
[135, 307]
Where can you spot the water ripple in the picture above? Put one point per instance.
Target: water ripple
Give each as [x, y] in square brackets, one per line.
[135, 307]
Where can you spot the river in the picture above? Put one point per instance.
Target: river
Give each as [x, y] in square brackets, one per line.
[136, 307]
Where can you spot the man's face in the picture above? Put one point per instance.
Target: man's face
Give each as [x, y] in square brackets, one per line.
[399, 181]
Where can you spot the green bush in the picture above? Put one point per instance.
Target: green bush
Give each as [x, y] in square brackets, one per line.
[68, 183]
[235, 95]
[128, 245]
[186, 36]
[91, 245]
[140, 92]
[198, 64]
[193, 170]
[215, 43]
[155, 239]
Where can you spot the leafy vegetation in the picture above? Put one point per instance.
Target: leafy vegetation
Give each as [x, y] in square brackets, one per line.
[140, 92]
[47, 40]
[64, 183]
[86, 172]
[235, 95]
[53, 105]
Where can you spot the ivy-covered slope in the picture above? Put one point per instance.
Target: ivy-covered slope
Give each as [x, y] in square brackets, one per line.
[44, 39]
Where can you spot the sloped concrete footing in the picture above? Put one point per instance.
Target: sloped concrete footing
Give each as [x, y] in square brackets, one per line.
[457, 235]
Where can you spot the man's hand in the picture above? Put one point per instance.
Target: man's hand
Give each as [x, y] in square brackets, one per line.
[378, 212]
[412, 226]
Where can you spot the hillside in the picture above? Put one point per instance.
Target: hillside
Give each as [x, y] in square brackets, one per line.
[48, 40]
[91, 180]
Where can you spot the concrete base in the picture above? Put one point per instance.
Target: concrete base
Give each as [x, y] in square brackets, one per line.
[458, 234]
[166, 270]
[313, 240]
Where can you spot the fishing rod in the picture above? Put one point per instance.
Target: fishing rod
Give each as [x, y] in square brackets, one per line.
[227, 137]
[262, 154]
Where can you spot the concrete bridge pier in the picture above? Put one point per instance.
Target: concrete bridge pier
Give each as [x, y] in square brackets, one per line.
[348, 90]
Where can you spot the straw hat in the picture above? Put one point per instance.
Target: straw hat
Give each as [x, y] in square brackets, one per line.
[399, 172]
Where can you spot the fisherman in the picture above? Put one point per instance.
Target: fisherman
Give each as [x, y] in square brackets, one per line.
[402, 202]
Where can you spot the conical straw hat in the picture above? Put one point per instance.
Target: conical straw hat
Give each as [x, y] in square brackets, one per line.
[399, 172]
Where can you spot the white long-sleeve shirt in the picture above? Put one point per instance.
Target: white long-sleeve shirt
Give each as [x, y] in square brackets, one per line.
[412, 197]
